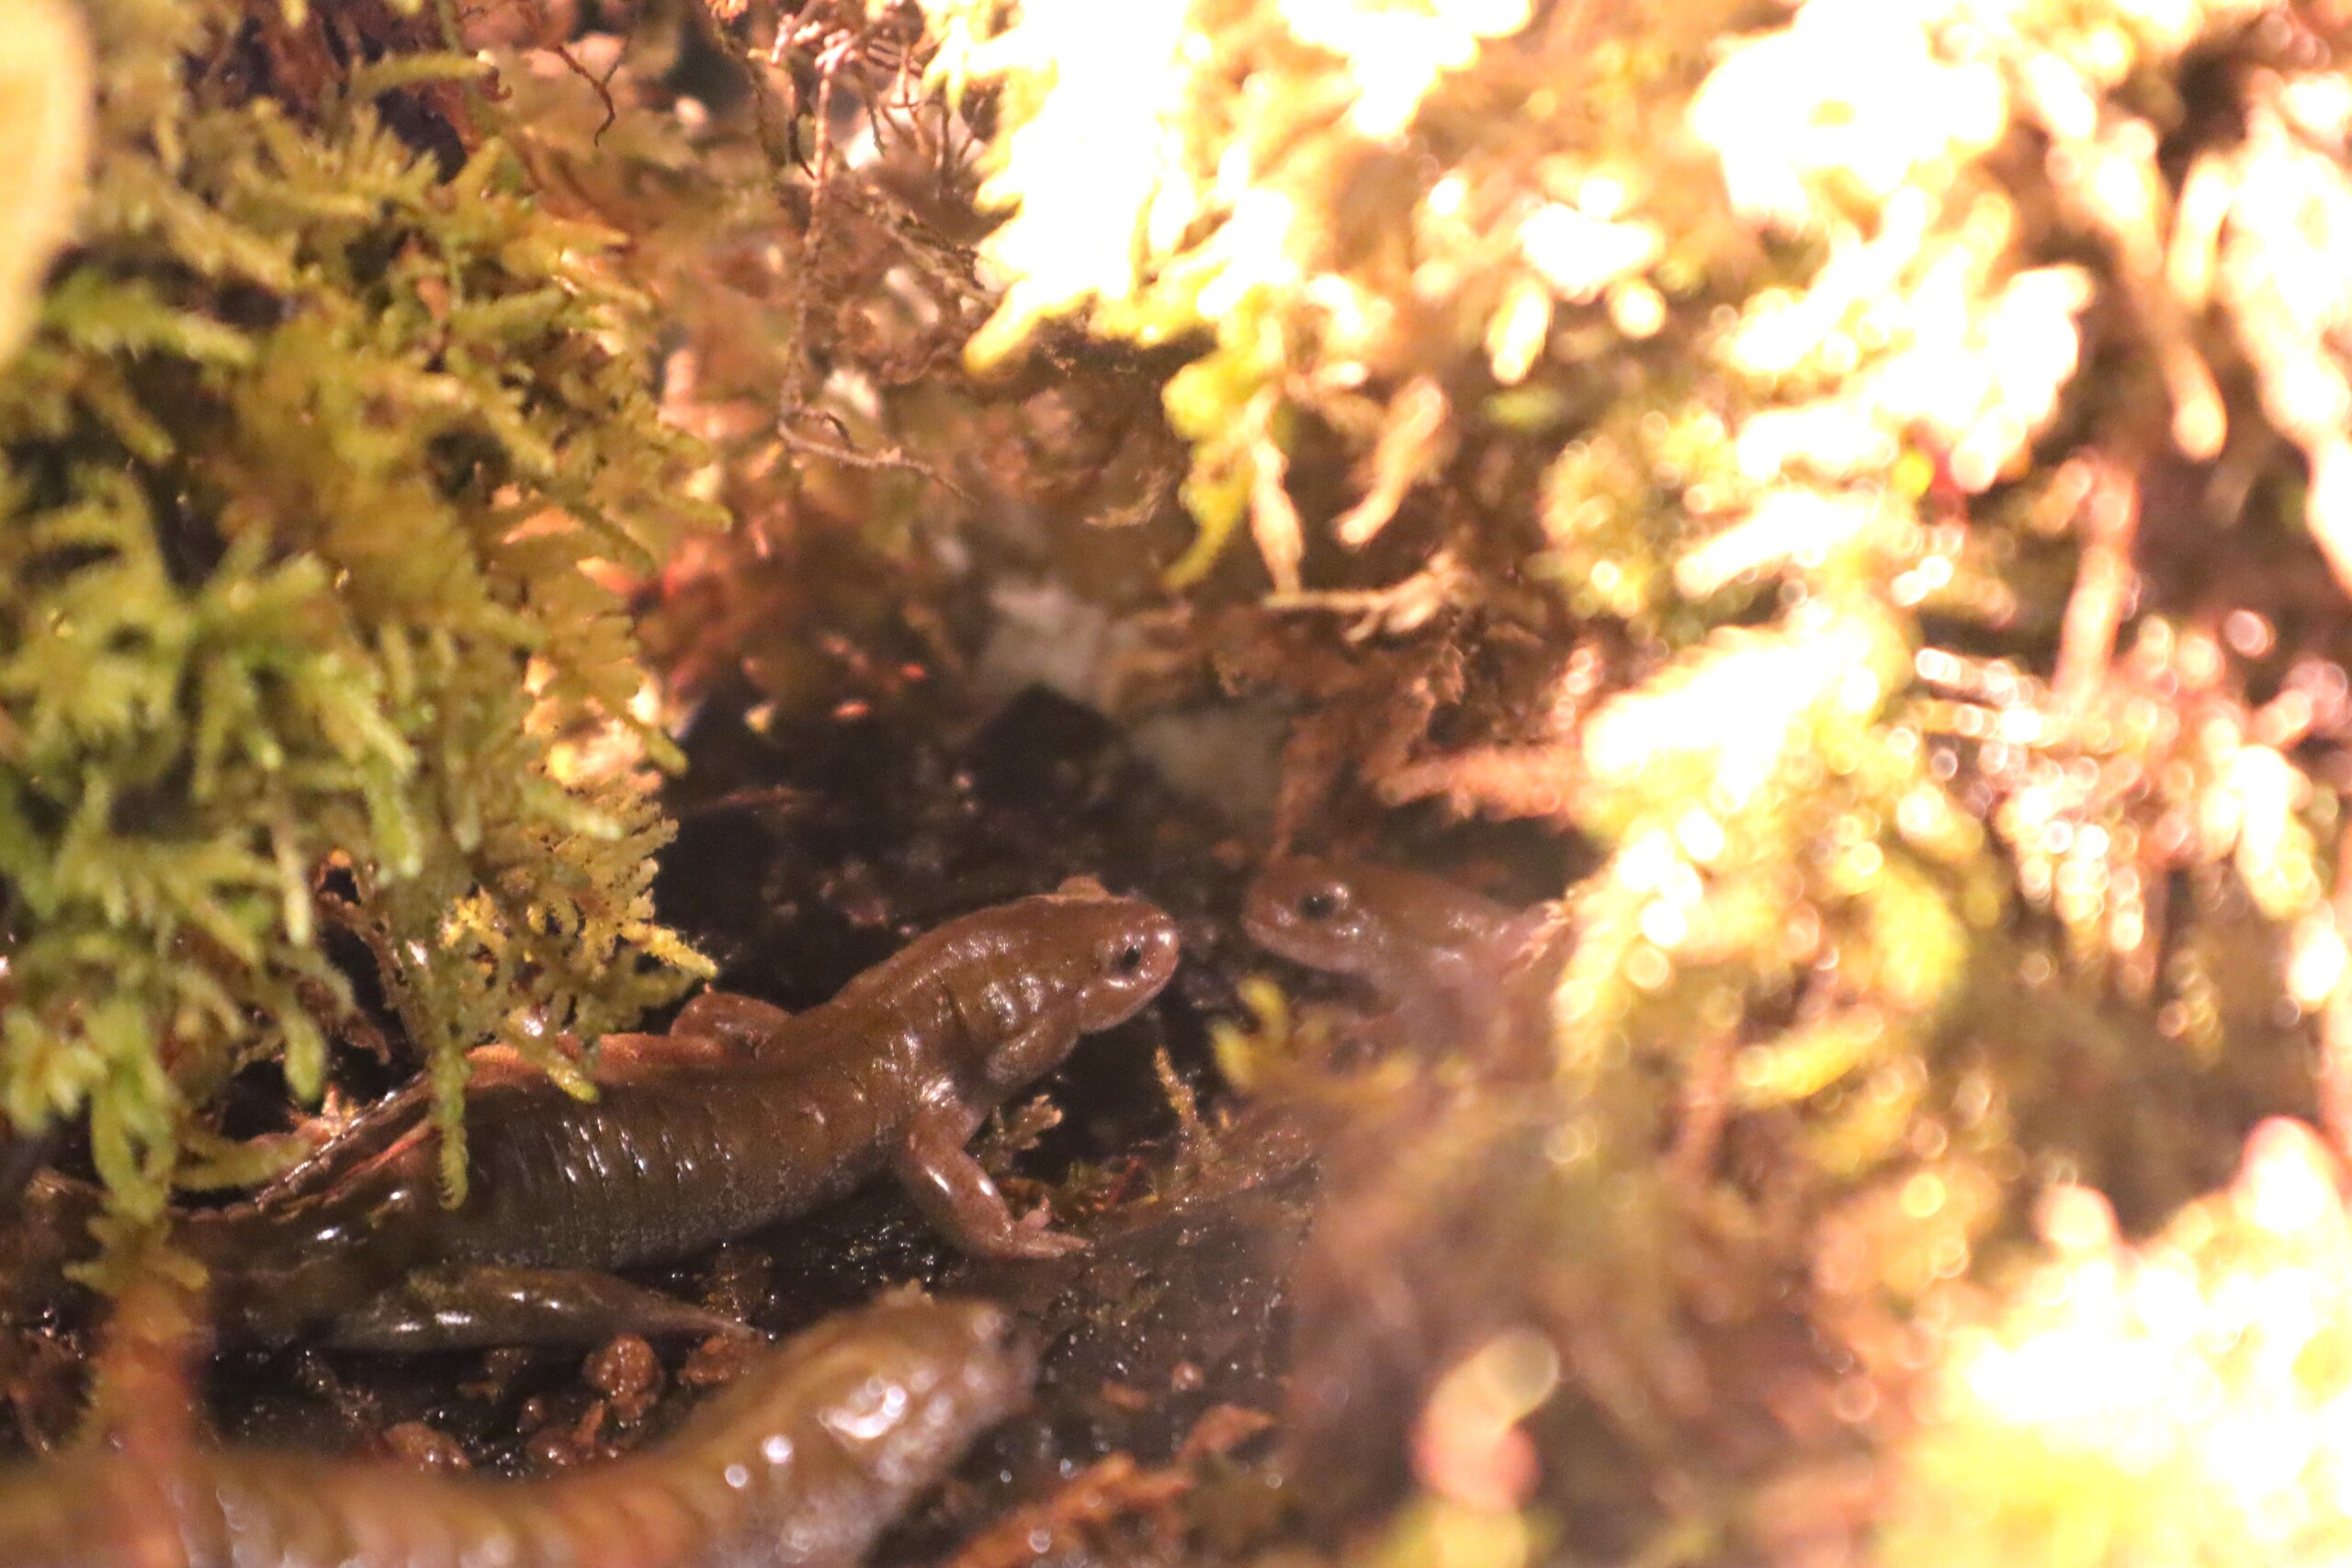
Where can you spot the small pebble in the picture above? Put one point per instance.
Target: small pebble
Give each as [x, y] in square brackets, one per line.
[425, 1447]
[628, 1373]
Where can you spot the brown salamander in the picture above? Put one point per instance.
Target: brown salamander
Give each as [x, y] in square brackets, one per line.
[804, 1459]
[744, 1116]
[1425, 1200]
[1440, 956]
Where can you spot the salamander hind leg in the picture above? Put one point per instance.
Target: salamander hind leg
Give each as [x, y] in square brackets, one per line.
[465, 1308]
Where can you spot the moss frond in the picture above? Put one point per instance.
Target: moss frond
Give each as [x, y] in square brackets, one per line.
[299, 470]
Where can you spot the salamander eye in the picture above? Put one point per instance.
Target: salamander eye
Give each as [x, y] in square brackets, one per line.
[1318, 904]
[1128, 959]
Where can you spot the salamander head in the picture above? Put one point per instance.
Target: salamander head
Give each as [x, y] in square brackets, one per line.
[1113, 954]
[1309, 911]
[1379, 923]
[1079, 955]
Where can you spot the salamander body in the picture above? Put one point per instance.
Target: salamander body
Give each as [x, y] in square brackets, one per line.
[803, 1461]
[743, 1116]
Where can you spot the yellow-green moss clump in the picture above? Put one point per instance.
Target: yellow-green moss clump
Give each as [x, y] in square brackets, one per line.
[320, 423]
[1875, 469]
[2182, 1401]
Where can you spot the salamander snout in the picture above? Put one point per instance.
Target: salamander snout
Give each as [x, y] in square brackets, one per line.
[1131, 962]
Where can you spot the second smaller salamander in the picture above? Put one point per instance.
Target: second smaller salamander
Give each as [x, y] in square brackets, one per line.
[1443, 959]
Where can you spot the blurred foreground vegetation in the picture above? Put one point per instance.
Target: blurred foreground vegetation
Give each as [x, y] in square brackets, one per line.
[1870, 479]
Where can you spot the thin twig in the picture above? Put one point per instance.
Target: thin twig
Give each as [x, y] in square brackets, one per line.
[889, 458]
[2336, 1020]
[2103, 583]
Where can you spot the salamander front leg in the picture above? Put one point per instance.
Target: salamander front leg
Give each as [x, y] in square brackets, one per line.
[461, 1308]
[1034, 1052]
[745, 1023]
[955, 1194]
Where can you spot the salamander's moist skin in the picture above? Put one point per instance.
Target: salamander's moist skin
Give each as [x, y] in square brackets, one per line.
[1435, 953]
[1426, 1188]
[742, 1116]
[804, 1461]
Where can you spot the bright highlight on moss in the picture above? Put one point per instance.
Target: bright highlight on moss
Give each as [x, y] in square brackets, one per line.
[2189, 1400]
[45, 123]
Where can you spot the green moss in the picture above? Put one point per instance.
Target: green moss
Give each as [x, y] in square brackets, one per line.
[297, 480]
